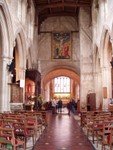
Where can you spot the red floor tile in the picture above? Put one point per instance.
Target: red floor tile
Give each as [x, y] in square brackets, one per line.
[62, 133]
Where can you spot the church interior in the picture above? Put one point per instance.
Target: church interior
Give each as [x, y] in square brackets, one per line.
[56, 49]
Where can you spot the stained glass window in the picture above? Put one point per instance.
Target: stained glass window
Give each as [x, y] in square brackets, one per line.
[62, 84]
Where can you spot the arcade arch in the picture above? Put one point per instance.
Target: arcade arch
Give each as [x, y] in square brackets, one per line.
[106, 56]
[18, 70]
[5, 51]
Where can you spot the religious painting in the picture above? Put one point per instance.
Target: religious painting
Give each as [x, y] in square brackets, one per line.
[61, 45]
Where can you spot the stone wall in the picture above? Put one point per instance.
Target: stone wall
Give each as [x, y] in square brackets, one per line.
[102, 22]
[58, 24]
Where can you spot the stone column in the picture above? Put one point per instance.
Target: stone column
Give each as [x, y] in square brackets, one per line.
[104, 82]
[86, 56]
[22, 80]
[96, 77]
[106, 72]
[5, 78]
[98, 89]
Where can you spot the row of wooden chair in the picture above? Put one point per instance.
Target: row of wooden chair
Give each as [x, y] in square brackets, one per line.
[19, 127]
[105, 136]
[98, 127]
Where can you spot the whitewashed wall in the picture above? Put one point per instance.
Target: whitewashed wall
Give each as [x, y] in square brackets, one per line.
[86, 56]
[57, 24]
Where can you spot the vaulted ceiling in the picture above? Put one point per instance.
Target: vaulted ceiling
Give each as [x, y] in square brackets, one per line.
[53, 8]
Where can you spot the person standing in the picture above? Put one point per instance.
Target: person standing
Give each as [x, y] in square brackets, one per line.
[69, 107]
[54, 104]
[73, 106]
[60, 105]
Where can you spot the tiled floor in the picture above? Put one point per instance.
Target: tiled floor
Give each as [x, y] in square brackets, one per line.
[63, 133]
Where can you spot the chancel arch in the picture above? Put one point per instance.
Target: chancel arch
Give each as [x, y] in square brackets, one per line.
[49, 79]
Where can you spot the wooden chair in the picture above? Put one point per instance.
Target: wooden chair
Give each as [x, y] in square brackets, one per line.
[23, 131]
[44, 117]
[107, 137]
[111, 139]
[102, 134]
[7, 137]
[33, 125]
[88, 122]
[95, 125]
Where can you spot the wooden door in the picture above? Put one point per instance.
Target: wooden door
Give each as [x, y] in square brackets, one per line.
[91, 101]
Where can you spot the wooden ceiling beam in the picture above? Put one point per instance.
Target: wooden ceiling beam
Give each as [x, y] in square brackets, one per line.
[56, 5]
[59, 14]
[49, 3]
[63, 5]
[46, 9]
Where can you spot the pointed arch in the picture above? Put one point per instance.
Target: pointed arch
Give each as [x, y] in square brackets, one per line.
[104, 38]
[21, 43]
[6, 47]
[6, 30]
[106, 56]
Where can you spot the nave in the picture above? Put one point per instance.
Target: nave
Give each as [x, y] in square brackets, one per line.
[63, 133]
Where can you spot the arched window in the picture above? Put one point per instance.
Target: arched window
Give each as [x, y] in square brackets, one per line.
[62, 84]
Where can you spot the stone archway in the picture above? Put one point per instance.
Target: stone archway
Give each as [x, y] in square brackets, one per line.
[61, 72]
[18, 78]
[6, 40]
[106, 55]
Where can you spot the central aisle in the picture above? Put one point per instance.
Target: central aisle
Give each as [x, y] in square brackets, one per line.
[62, 133]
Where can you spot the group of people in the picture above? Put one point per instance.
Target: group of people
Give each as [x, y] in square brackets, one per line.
[57, 106]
